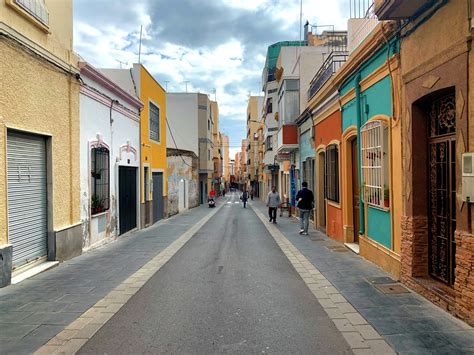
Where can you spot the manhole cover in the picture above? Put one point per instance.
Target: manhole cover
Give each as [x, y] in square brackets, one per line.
[391, 288]
[381, 280]
[337, 248]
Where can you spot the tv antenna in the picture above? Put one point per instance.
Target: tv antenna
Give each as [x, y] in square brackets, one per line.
[124, 63]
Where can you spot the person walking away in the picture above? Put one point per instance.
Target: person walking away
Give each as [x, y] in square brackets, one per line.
[251, 194]
[273, 201]
[244, 198]
[304, 199]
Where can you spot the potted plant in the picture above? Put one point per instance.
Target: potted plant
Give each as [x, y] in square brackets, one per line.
[97, 204]
[386, 197]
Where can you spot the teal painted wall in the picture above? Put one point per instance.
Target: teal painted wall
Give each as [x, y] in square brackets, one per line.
[376, 100]
[379, 226]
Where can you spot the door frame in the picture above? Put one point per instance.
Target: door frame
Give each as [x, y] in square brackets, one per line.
[347, 197]
[138, 197]
[320, 186]
[50, 242]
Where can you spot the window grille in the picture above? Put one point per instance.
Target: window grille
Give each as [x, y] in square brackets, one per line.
[154, 122]
[374, 145]
[100, 180]
[332, 173]
[36, 8]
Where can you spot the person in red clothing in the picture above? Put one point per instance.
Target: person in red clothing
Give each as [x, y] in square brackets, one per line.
[212, 194]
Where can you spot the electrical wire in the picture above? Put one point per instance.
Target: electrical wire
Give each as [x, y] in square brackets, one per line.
[178, 150]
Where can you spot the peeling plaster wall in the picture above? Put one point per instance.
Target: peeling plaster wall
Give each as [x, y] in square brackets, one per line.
[187, 171]
[95, 120]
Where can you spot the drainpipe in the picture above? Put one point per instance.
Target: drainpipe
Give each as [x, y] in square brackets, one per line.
[359, 154]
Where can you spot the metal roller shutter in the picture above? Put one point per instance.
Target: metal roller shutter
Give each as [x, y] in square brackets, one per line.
[27, 197]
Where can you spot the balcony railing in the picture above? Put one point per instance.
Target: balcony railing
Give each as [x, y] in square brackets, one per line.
[329, 67]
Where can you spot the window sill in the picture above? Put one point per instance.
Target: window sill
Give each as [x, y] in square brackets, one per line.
[384, 209]
[99, 214]
[333, 204]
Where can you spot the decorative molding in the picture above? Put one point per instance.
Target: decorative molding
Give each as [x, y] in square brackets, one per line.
[430, 81]
[92, 73]
[128, 148]
[101, 98]
[99, 142]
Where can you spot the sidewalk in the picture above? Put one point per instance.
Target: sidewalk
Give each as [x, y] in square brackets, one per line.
[407, 321]
[37, 309]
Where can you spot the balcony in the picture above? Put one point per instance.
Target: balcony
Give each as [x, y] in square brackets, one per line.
[288, 138]
[399, 9]
[329, 67]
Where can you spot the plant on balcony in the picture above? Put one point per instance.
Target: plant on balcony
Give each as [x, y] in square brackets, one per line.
[386, 197]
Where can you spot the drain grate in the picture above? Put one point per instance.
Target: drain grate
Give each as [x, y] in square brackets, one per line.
[381, 280]
[337, 248]
[392, 289]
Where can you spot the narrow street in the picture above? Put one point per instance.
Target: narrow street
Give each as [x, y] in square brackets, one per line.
[229, 290]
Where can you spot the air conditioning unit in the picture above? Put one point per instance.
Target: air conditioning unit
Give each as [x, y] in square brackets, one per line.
[468, 177]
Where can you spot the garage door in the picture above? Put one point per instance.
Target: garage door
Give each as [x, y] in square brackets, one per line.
[27, 201]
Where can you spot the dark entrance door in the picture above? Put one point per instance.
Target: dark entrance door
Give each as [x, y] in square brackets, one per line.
[158, 209]
[442, 187]
[127, 198]
[355, 191]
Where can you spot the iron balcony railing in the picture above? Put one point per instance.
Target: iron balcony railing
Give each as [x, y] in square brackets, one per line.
[329, 67]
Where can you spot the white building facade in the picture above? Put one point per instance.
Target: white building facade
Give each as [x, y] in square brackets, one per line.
[109, 158]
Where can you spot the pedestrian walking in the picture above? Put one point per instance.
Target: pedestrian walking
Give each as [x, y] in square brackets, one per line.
[251, 194]
[305, 199]
[244, 198]
[273, 202]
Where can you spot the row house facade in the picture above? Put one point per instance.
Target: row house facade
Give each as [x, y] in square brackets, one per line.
[109, 158]
[254, 109]
[391, 139]
[153, 174]
[39, 136]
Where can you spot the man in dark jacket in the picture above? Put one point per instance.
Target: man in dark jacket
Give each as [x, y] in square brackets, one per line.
[304, 199]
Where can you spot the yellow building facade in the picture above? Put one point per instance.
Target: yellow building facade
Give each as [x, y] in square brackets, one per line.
[153, 182]
[39, 135]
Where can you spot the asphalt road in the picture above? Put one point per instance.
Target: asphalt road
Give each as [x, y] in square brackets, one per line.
[228, 290]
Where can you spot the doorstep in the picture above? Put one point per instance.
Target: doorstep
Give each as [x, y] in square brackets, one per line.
[22, 275]
[353, 246]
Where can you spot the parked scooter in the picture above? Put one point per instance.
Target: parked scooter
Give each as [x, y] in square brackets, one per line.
[211, 202]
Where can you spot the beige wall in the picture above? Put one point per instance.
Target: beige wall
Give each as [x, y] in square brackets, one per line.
[26, 104]
[59, 39]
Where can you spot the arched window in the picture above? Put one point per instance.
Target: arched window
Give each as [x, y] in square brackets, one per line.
[374, 154]
[100, 180]
[331, 172]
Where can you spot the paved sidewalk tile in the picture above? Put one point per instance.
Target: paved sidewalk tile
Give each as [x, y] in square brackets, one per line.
[408, 322]
[36, 310]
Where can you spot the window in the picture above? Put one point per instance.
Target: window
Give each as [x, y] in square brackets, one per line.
[332, 173]
[35, 8]
[208, 125]
[269, 143]
[154, 122]
[374, 145]
[270, 105]
[99, 180]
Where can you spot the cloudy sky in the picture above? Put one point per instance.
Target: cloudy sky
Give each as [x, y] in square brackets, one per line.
[217, 46]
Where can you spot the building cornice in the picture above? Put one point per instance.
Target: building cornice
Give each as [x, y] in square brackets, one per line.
[92, 73]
